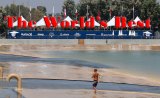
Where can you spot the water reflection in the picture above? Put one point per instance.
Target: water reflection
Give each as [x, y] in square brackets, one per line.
[1, 72]
[19, 95]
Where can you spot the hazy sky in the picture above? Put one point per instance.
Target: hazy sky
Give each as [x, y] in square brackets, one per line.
[33, 3]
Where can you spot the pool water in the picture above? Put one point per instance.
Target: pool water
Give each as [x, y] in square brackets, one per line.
[143, 63]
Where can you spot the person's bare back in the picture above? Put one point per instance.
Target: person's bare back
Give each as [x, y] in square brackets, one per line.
[95, 77]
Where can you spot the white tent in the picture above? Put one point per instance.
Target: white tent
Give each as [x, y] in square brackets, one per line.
[77, 25]
[137, 19]
[111, 22]
[96, 24]
[69, 20]
[41, 22]
[16, 22]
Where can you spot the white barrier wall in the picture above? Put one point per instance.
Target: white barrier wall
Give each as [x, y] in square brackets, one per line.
[75, 41]
[124, 41]
[38, 41]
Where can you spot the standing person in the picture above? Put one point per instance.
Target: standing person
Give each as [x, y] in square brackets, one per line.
[95, 77]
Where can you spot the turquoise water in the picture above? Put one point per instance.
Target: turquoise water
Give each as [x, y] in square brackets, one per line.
[143, 63]
[71, 84]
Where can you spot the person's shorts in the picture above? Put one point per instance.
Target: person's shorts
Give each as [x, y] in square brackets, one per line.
[95, 83]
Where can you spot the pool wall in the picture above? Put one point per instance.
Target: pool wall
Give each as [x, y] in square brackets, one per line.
[75, 41]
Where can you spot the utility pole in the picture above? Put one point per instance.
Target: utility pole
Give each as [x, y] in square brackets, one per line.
[99, 12]
[133, 11]
[53, 10]
[87, 12]
[19, 11]
[110, 9]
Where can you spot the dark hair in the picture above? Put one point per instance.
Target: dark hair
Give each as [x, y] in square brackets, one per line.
[95, 70]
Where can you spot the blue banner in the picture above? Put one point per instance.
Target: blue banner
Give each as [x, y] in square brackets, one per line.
[79, 34]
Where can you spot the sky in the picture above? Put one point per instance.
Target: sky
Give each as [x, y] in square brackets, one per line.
[33, 3]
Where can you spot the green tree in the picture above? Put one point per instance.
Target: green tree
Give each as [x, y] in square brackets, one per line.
[42, 9]
[24, 11]
[70, 7]
[151, 9]
[36, 14]
[143, 8]
[2, 14]
[94, 7]
[3, 26]
[104, 9]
